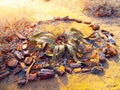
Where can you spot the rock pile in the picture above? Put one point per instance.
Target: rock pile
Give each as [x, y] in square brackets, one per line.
[30, 60]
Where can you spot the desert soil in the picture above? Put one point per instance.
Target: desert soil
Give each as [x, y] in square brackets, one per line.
[35, 10]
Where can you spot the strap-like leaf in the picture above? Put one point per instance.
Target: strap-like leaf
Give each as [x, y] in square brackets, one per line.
[43, 34]
[55, 51]
[72, 52]
[45, 39]
[61, 49]
[77, 31]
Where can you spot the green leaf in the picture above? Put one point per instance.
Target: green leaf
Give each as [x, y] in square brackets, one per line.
[72, 52]
[55, 51]
[70, 48]
[43, 34]
[61, 49]
[45, 39]
[75, 57]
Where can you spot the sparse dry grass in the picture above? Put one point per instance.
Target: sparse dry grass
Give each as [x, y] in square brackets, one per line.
[101, 8]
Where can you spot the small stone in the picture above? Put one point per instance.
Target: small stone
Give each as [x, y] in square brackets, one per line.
[46, 74]
[84, 70]
[32, 77]
[28, 60]
[20, 36]
[78, 21]
[87, 22]
[97, 70]
[77, 70]
[19, 46]
[68, 69]
[60, 71]
[95, 26]
[12, 63]
[75, 65]
[19, 55]
[26, 53]
[24, 46]
[102, 61]
[70, 61]
[8, 38]
[90, 64]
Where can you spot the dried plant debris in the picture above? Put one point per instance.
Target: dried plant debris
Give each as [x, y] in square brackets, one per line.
[102, 8]
[45, 54]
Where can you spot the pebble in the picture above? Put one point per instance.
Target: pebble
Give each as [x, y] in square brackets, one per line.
[24, 46]
[75, 65]
[26, 53]
[77, 70]
[12, 63]
[32, 77]
[21, 36]
[68, 69]
[46, 74]
[28, 60]
[19, 55]
[84, 70]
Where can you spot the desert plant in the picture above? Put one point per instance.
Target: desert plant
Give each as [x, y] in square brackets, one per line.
[60, 46]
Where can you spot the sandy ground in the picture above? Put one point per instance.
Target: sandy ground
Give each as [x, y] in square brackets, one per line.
[35, 10]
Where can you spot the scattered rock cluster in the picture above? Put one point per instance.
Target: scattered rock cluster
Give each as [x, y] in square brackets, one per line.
[25, 60]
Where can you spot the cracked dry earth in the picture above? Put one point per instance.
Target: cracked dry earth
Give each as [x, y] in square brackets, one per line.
[35, 10]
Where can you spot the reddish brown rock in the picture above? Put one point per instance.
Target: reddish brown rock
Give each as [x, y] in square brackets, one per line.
[28, 60]
[87, 22]
[84, 70]
[68, 69]
[19, 55]
[32, 77]
[75, 65]
[21, 36]
[26, 53]
[46, 74]
[12, 63]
